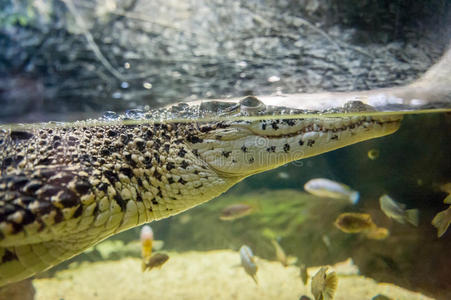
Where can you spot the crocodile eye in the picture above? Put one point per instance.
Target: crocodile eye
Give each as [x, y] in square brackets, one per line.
[247, 106]
[251, 102]
[251, 106]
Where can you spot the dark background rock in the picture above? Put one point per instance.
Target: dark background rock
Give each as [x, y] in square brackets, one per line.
[157, 52]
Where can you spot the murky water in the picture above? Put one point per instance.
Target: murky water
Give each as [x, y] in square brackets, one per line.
[411, 166]
[72, 60]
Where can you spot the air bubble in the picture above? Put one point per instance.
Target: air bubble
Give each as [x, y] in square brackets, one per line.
[273, 79]
[110, 115]
[117, 95]
[134, 114]
[242, 64]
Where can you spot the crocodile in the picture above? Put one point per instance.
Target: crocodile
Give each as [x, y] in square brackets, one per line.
[66, 187]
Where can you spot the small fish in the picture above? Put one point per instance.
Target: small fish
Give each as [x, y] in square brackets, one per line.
[378, 233]
[283, 175]
[303, 273]
[185, 218]
[398, 211]
[442, 221]
[361, 223]
[326, 240]
[323, 285]
[236, 211]
[156, 261]
[280, 253]
[373, 154]
[322, 187]
[248, 262]
[354, 222]
[146, 238]
[281, 256]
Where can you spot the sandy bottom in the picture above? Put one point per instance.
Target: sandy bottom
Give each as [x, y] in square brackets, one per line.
[202, 275]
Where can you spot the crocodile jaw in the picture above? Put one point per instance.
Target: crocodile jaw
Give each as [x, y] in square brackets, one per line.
[242, 148]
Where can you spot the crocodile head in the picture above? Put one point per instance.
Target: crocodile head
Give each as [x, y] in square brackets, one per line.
[239, 148]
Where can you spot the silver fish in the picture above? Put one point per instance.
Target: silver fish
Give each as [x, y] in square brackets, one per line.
[327, 188]
[248, 262]
[398, 211]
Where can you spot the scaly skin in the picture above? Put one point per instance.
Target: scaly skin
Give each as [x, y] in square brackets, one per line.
[64, 189]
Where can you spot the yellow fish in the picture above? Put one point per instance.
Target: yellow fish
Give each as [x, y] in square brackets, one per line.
[323, 285]
[442, 221]
[354, 222]
[360, 223]
[146, 245]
